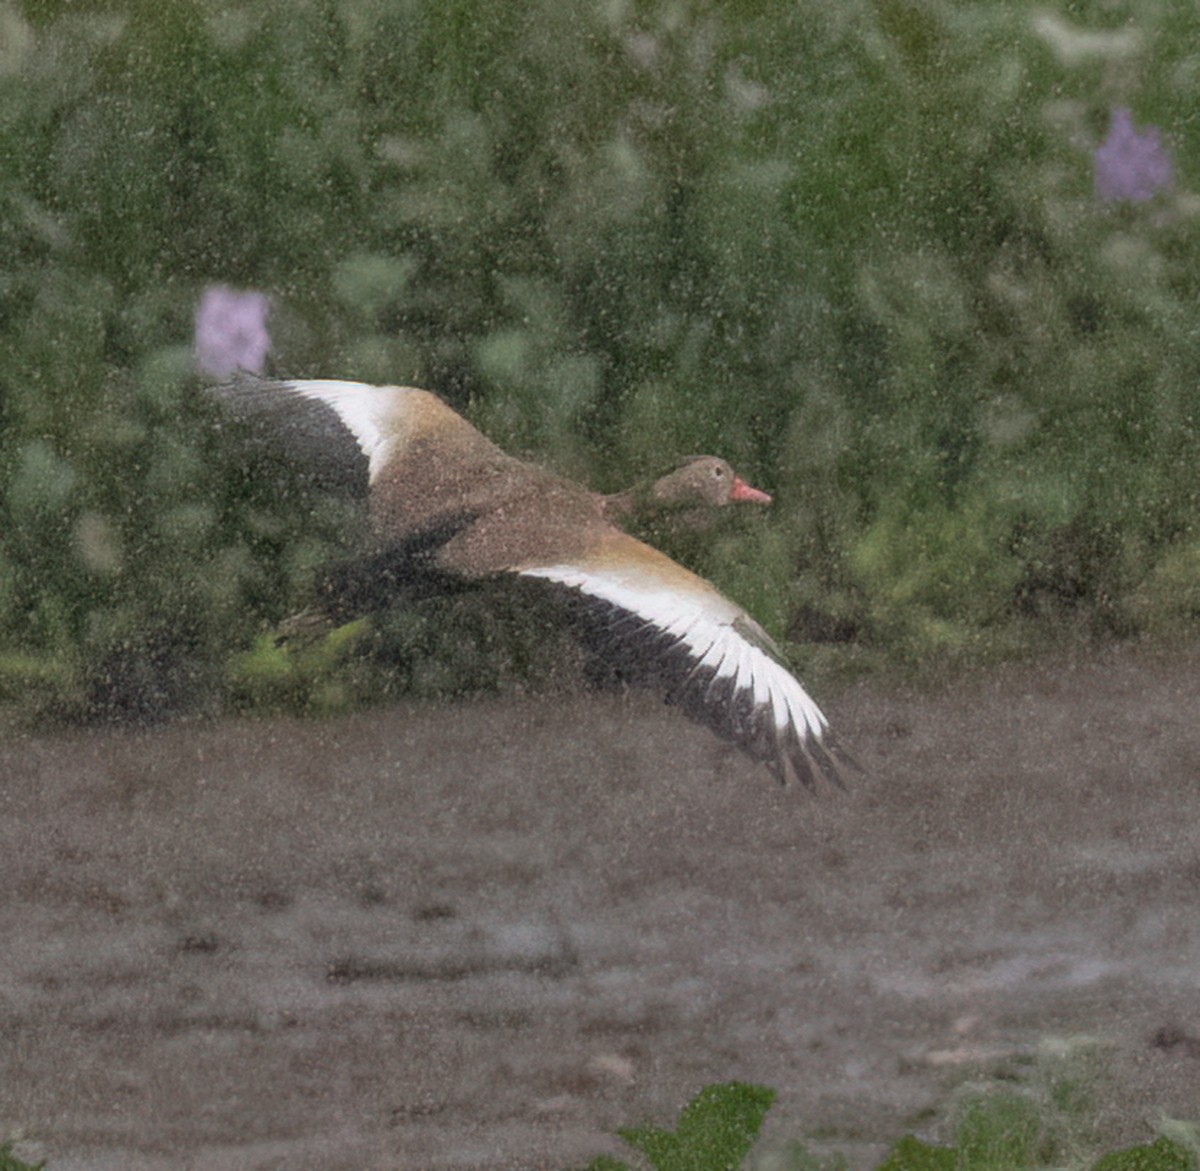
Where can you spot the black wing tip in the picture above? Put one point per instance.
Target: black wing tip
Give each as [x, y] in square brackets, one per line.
[269, 420]
[252, 395]
[243, 384]
[811, 760]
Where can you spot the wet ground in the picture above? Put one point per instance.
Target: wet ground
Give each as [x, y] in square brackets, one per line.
[484, 936]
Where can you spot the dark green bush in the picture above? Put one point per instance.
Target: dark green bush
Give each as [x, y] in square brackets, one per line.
[9, 1161]
[853, 246]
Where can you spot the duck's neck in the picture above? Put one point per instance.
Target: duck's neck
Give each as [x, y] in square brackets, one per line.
[620, 506]
[644, 511]
[641, 502]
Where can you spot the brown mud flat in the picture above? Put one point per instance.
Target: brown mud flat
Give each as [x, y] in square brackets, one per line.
[486, 935]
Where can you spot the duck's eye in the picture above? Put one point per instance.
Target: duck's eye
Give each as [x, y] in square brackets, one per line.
[718, 471]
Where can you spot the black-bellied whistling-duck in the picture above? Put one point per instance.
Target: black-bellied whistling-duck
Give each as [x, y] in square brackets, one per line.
[440, 490]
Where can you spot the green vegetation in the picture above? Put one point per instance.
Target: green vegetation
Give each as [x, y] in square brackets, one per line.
[994, 1130]
[716, 1130]
[853, 246]
[10, 1162]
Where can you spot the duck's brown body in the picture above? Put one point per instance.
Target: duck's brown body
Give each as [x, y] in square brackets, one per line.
[434, 480]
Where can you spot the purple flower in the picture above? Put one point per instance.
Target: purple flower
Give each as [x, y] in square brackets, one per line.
[231, 331]
[1130, 165]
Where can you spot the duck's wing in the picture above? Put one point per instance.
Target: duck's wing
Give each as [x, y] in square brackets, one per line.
[359, 429]
[703, 651]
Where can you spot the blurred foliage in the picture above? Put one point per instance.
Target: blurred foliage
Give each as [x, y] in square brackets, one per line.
[1009, 1149]
[853, 246]
[1036, 1116]
[10, 1162]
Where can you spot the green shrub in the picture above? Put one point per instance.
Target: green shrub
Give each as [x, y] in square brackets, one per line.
[9, 1161]
[1040, 1124]
[853, 246]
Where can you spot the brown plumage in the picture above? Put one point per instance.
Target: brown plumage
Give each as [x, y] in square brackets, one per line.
[436, 487]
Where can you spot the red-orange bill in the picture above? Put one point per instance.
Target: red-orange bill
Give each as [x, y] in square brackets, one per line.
[744, 493]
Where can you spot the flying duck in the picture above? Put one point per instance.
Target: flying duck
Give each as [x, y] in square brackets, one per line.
[441, 494]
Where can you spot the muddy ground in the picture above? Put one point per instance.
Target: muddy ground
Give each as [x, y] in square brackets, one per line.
[484, 936]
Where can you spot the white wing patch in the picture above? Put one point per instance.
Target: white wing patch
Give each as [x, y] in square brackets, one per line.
[728, 668]
[370, 413]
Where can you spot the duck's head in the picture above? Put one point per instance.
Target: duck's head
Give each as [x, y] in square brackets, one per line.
[705, 479]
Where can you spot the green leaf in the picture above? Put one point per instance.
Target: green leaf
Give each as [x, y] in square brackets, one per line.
[716, 1130]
